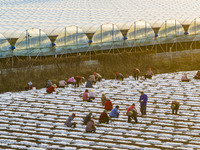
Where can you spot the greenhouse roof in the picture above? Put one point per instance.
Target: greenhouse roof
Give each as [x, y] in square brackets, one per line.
[52, 16]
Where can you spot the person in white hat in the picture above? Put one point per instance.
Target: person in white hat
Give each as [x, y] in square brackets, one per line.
[29, 86]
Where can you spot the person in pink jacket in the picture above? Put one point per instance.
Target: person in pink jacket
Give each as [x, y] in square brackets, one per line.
[86, 96]
[184, 78]
[62, 84]
[71, 80]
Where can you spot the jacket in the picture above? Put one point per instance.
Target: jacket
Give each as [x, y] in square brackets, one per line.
[143, 99]
[131, 107]
[77, 79]
[90, 126]
[103, 99]
[85, 96]
[62, 83]
[71, 80]
[136, 71]
[175, 105]
[87, 118]
[92, 94]
[104, 116]
[49, 83]
[108, 105]
[184, 77]
[89, 84]
[69, 121]
[119, 76]
[50, 89]
[114, 112]
[149, 73]
[132, 112]
[92, 78]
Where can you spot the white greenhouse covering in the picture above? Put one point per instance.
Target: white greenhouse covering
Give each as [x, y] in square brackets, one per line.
[171, 28]
[105, 35]
[50, 15]
[162, 19]
[140, 30]
[5, 48]
[71, 38]
[195, 27]
[32, 41]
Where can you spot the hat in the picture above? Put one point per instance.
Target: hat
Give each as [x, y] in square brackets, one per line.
[30, 83]
[92, 90]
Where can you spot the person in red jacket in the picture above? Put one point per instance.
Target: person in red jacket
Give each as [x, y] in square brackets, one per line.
[51, 89]
[108, 105]
[132, 113]
[78, 80]
[104, 117]
[131, 107]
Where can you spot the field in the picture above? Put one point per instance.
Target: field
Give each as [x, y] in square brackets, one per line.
[35, 120]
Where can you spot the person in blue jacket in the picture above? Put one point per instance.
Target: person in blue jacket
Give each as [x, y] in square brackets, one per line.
[143, 103]
[114, 113]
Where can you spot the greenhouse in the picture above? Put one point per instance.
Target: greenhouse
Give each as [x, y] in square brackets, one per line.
[56, 27]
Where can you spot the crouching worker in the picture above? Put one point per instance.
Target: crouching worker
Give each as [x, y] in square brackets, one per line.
[92, 95]
[89, 84]
[149, 74]
[69, 122]
[119, 76]
[92, 78]
[136, 73]
[175, 107]
[86, 96]
[103, 99]
[114, 112]
[87, 118]
[48, 84]
[62, 84]
[78, 80]
[132, 113]
[51, 89]
[90, 126]
[104, 117]
[71, 81]
[197, 76]
[108, 105]
[185, 78]
[29, 86]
